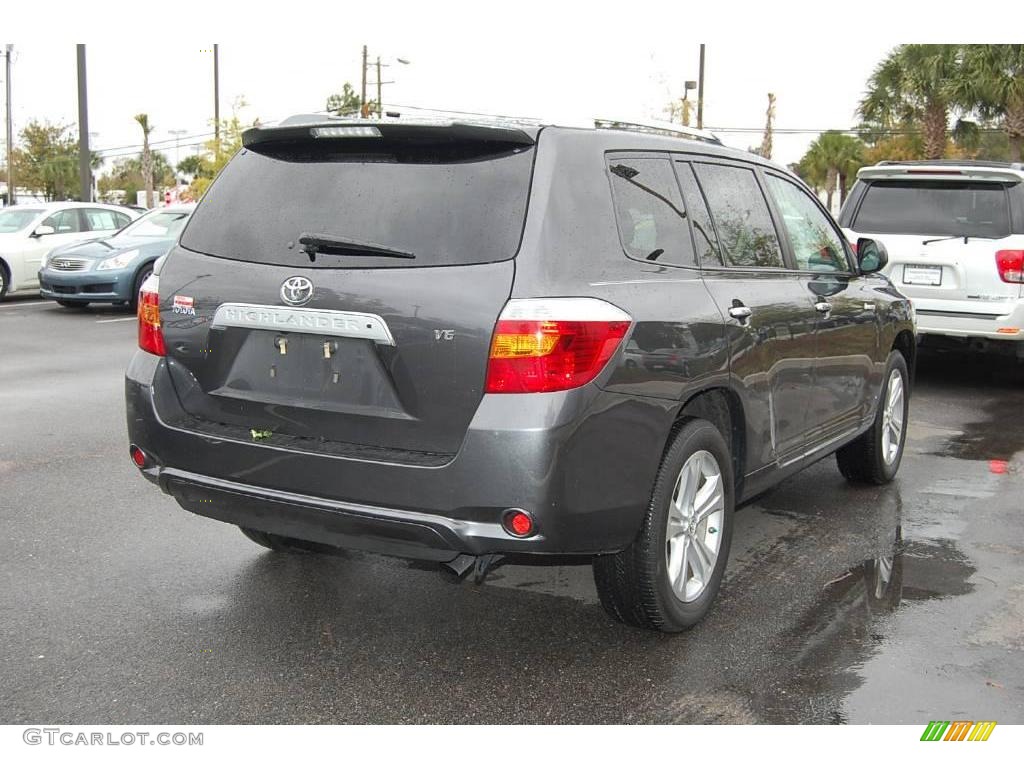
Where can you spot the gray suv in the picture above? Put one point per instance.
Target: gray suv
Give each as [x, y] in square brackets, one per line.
[475, 343]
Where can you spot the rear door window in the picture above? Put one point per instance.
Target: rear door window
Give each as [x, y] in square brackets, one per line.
[100, 220]
[971, 208]
[443, 205]
[704, 235]
[649, 211]
[745, 230]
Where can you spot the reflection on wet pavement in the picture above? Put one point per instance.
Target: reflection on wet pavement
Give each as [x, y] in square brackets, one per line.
[841, 603]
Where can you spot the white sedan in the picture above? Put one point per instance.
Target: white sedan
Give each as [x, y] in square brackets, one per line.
[28, 232]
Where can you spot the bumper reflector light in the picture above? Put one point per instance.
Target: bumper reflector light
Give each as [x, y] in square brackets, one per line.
[518, 522]
[139, 458]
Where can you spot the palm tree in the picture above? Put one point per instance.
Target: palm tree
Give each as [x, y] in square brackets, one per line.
[147, 157]
[916, 84]
[832, 158]
[993, 84]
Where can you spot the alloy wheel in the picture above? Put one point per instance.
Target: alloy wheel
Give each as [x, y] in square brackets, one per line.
[694, 532]
[892, 418]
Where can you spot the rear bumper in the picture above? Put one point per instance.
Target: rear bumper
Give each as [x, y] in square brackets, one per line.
[403, 533]
[998, 325]
[109, 285]
[581, 462]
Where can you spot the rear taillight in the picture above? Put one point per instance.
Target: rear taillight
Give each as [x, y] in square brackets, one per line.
[1011, 266]
[547, 345]
[151, 336]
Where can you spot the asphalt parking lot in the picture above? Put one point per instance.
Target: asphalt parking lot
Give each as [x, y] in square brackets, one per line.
[901, 604]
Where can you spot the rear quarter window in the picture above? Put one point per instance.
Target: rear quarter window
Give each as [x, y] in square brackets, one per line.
[649, 211]
[446, 208]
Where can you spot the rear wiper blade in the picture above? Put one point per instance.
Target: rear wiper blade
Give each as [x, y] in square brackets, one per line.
[954, 237]
[313, 243]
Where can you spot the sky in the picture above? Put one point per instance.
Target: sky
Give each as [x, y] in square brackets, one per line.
[553, 60]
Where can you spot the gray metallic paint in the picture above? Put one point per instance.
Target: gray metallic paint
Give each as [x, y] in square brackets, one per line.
[582, 461]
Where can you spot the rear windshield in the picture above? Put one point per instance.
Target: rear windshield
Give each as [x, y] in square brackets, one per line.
[977, 209]
[443, 206]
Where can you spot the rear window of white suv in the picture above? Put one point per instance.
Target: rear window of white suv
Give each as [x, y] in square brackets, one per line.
[971, 208]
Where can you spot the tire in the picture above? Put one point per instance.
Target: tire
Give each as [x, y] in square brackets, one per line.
[636, 585]
[875, 456]
[73, 304]
[140, 278]
[5, 280]
[283, 543]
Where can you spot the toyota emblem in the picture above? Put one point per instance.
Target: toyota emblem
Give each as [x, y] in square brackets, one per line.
[296, 291]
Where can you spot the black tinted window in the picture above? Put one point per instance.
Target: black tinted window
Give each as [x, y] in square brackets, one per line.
[747, 235]
[649, 210]
[703, 229]
[934, 208]
[445, 208]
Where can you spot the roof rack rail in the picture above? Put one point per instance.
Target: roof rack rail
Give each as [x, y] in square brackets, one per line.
[962, 163]
[658, 127]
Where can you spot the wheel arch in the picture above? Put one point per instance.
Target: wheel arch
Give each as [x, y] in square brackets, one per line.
[8, 274]
[142, 268]
[906, 344]
[723, 408]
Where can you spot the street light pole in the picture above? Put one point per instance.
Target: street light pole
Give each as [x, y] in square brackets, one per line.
[381, 83]
[362, 93]
[700, 90]
[11, 197]
[216, 99]
[84, 173]
[177, 134]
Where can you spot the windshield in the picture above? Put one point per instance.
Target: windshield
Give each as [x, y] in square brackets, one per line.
[161, 224]
[960, 208]
[413, 206]
[17, 219]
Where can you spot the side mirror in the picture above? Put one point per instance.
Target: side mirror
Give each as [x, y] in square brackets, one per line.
[871, 255]
[43, 229]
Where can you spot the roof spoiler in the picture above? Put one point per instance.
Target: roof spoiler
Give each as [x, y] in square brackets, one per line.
[316, 127]
[942, 171]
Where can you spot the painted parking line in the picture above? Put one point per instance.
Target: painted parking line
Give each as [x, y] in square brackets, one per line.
[118, 319]
[24, 304]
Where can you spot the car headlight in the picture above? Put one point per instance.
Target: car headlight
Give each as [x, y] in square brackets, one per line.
[120, 261]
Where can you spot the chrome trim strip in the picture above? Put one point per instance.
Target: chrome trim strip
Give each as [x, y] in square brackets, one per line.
[324, 322]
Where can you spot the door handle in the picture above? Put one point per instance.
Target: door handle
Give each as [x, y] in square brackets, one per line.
[823, 307]
[740, 313]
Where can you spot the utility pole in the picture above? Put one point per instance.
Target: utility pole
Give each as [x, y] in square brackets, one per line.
[379, 84]
[216, 99]
[362, 93]
[84, 172]
[11, 197]
[700, 90]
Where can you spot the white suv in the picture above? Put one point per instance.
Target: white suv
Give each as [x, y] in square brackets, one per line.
[954, 231]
